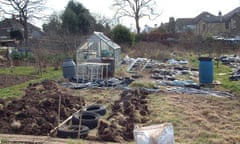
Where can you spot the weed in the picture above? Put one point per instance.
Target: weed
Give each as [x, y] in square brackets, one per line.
[197, 119]
[75, 141]
[142, 84]
[3, 141]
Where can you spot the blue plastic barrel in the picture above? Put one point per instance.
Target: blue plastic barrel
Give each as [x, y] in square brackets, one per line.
[69, 68]
[205, 70]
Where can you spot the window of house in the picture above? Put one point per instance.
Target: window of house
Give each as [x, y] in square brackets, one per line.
[233, 23]
[204, 27]
[226, 25]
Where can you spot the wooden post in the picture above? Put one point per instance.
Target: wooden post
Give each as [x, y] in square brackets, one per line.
[59, 108]
[80, 117]
[61, 124]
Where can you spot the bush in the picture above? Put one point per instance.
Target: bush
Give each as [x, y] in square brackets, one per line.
[122, 34]
[141, 37]
[16, 55]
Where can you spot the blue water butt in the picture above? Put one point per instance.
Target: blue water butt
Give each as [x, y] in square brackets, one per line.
[69, 68]
[205, 70]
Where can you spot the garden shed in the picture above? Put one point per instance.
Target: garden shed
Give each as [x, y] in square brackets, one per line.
[98, 57]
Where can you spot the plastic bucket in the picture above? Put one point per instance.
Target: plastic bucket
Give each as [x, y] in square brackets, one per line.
[205, 70]
[69, 68]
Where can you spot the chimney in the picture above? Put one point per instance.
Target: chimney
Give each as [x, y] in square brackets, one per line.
[13, 17]
[220, 15]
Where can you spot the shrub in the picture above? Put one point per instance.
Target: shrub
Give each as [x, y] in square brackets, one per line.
[122, 34]
[17, 55]
[141, 37]
[24, 56]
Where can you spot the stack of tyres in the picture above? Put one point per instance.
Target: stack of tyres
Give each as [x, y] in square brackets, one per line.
[90, 115]
[89, 120]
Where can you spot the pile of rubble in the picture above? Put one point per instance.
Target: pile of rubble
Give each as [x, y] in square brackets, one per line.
[36, 113]
[167, 73]
[231, 60]
[175, 76]
[234, 62]
[111, 82]
[131, 109]
[235, 76]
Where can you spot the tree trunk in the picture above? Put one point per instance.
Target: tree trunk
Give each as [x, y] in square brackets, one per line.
[23, 21]
[137, 24]
[25, 34]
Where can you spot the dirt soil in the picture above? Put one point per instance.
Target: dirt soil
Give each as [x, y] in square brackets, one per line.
[9, 80]
[196, 119]
[36, 113]
[130, 109]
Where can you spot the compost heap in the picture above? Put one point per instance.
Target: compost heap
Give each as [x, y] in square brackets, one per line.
[36, 113]
[131, 109]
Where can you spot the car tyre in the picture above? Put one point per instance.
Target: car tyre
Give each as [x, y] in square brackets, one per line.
[89, 119]
[96, 108]
[71, 131]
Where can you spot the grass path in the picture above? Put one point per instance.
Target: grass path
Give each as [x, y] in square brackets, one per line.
[18, 90]
[199, 119]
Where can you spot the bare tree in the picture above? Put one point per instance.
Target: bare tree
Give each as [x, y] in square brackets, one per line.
[101, 19]
[136, 9]
[23, 10]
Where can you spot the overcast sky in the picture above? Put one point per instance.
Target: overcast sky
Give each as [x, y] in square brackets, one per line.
[169, 8]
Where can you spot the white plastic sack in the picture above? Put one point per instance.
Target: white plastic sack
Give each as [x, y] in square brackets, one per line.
[155, 134]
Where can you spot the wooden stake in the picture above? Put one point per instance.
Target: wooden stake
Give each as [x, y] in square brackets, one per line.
[80, 117]
[61, 124]
[59, 108]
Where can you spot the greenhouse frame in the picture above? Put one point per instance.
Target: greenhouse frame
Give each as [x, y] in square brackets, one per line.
[97, 58]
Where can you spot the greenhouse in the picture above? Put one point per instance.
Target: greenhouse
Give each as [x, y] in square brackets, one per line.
[97, 58]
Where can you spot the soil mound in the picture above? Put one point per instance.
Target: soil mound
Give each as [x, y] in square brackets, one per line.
[36, 113]
[131, 109]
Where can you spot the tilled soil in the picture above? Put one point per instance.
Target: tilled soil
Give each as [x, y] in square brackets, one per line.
[36, 113]
[9, 80]
[130, 109]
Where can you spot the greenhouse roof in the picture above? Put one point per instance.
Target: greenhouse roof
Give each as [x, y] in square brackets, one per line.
[99, 36]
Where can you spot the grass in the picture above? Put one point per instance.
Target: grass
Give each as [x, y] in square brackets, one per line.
[71, 141]
[222, 74]
[121, 72]
[142, 84]
[18, 90]
[198, 119]
[19, 70]
[3, 141]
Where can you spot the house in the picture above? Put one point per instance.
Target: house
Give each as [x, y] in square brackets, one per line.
[148, 29]
[185, 25]
[207, 24]
[11, 32]
[232, 22]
